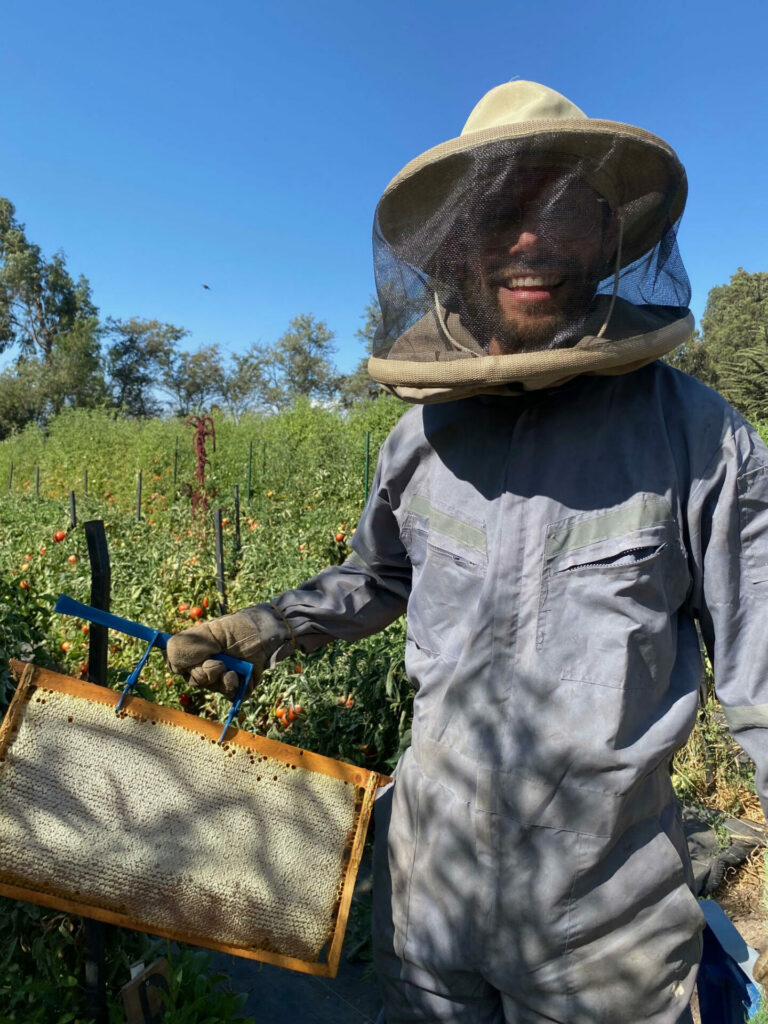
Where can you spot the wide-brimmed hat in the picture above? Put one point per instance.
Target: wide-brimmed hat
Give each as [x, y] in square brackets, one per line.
[639, 174]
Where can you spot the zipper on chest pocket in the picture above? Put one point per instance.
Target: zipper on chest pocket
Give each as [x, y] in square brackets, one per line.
[630, 556]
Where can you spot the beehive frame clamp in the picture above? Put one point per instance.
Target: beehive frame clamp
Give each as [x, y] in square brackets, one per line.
[66, 605]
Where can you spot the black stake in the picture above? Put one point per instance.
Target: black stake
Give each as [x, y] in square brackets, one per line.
[10, 477]
[250, 468]
[95, 931]
[138, 498]
[85, 482]
[72, 511]
[220, 561]
[237, 521]
[175, 465]
[101, 580]
[37, 481]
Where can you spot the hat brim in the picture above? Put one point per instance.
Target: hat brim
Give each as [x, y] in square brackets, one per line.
[639, 173]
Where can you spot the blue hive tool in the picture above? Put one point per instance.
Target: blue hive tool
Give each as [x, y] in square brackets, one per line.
[155, 638]
[728, 993]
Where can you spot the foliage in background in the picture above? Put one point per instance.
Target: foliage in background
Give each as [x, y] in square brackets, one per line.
[66, 357]
[731, 353]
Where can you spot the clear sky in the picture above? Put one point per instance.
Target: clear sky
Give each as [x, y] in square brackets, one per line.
[243, 144]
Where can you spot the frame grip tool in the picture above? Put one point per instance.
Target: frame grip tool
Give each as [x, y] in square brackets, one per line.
[154, 638]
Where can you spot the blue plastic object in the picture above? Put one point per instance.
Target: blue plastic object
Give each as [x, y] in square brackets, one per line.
[155, 638]
[727, 990]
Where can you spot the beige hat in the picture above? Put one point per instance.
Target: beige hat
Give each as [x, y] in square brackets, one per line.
[639, 173]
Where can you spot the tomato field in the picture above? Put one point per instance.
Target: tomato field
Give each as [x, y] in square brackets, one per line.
[308, 479]
[302, 478]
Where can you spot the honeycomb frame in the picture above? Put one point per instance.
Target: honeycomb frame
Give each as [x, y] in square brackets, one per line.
[94, 820]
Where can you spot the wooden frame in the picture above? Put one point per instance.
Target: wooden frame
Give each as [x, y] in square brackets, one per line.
[38, 680]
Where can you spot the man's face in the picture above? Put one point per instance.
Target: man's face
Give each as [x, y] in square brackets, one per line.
[542, 247]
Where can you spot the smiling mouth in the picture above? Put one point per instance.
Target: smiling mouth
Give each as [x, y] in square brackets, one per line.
[529, 282]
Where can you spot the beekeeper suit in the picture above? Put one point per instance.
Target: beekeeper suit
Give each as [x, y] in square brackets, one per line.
[554, 517]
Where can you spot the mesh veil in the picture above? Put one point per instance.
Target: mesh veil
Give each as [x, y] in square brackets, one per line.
[523, 245]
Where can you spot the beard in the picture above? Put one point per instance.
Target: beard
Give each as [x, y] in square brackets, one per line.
[535, 326]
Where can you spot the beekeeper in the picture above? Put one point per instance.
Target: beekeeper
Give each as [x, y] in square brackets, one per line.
[555, 516]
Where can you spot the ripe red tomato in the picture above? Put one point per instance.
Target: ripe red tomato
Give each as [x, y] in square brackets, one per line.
[205, 602]
[66, 645]
[72, 559]
[196, 612]
[183, 607]
[59, 535]
[86, 628]
[42, 550]
[185, 700]
[339, 538]
[24, 585]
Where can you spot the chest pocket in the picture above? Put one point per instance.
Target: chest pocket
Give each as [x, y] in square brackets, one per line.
[449, 556]
[611, 585]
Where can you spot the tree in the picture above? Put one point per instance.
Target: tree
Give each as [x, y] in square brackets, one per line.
[242, 382]
[141, 351]
[39, 301]
[192, 379]
[731, 354]
[735, 334]
[21, 400]
[298, 365]
[736, 314]
[359, 384]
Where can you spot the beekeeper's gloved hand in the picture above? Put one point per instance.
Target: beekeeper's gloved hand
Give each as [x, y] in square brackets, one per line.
[252, 634]
[760, 969]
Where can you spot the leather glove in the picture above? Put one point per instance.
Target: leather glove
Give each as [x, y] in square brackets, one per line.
[760, 969]
[251, 635]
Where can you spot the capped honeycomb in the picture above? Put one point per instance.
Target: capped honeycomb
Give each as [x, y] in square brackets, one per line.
[250, 847]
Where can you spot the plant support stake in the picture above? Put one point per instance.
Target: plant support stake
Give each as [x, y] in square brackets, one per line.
[101, 583]
[10, 477]
[72, 511]
[138, 497]
[220, 561]
[250, 469]
[37, 481]
[85, 482]
[237, 521]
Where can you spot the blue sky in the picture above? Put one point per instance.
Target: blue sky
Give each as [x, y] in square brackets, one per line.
[244, 145]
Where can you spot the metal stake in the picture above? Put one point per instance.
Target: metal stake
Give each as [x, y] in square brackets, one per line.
[95, 931]
[220, 561]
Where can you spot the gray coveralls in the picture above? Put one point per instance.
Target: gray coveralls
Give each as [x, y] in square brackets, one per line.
[553, 553]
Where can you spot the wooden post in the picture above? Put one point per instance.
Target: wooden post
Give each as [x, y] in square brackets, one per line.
[72, 511]
[220, 561]
[95, 931]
